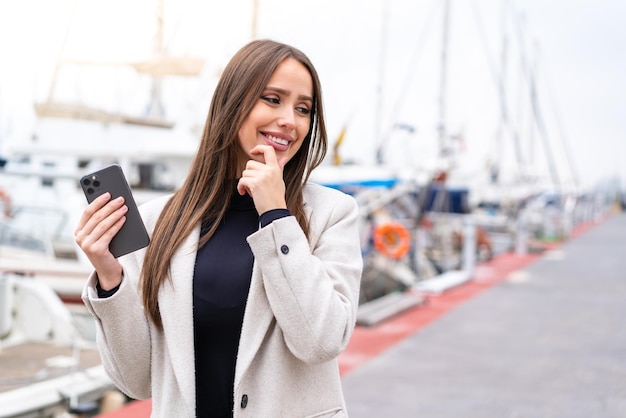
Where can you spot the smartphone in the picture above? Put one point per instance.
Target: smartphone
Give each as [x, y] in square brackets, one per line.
[133, 235]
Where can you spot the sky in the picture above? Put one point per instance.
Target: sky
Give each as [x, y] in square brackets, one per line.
[381, 71]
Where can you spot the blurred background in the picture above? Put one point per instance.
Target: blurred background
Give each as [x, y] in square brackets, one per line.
[380, 64]
[465, 129]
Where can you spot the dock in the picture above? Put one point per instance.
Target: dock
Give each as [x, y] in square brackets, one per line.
[40, 379]
[533, 336]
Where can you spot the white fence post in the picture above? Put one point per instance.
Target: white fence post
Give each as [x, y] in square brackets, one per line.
[521, 234]
[469, 245]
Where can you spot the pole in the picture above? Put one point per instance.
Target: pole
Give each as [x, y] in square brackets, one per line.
[381, 81]
[155, 107]
[255, 18]
[443, 151]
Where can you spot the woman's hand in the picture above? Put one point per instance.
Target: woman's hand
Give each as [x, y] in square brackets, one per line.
[100, 221]
[264, 181]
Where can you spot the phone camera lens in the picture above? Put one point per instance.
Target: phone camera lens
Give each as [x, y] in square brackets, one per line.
[86, 182]
[96, 183]
[90, 190]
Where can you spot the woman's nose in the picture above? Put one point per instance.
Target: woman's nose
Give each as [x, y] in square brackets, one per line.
[287, 118]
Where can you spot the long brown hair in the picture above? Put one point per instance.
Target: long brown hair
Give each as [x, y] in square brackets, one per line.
[210, 184]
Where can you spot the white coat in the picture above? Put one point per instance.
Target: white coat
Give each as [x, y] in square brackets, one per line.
[300, 314]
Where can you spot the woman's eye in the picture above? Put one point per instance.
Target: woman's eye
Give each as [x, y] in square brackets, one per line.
[303, 110]
[271, 99]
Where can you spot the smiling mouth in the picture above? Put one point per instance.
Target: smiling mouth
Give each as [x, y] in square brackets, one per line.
[279, 141]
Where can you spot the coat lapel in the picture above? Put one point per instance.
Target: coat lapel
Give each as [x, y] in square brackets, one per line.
[256, 322]
[176, 305]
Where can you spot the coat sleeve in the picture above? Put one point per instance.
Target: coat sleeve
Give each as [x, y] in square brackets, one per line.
[313, 285]
[122, 333]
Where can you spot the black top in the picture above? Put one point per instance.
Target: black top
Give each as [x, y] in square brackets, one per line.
[221, 282]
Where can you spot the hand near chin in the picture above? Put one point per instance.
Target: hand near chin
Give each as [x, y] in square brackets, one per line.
[264, 181]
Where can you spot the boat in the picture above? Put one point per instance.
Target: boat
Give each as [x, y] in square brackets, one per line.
[426, 224]
[77, 133]
[50, 363]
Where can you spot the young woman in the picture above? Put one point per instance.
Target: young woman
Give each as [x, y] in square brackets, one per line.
[249, 288]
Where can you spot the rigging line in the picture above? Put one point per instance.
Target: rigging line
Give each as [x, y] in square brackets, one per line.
[499, 81]
[58, 63]
[381, 69]
[171, 24]
[415, 58]
[534, 100]
[170, 35]
[559, 122]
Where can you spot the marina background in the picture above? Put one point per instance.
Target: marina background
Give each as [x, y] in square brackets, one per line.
[476, 136]
[361, 48]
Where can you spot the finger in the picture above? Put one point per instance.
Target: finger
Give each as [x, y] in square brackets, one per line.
[242, 188]
[109, 231]
[97, 243]
[269, 154]
[99, 223]
[96, 214]
[282, 162]
[97, 204]
[110, 222]
[253, 165]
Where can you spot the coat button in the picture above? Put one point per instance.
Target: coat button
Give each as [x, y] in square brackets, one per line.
[244, 401]
[284, 249]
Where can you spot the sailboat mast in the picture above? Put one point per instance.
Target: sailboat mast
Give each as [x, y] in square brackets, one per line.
[255, 17]
[529, 72]
[155, 107]
[443, 148]
[499, 145]
[66, 35]
[380, 84]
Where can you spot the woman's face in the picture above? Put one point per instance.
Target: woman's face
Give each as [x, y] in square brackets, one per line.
[281, 117]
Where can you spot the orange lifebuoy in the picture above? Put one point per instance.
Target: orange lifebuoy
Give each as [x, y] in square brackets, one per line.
[392, 239]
